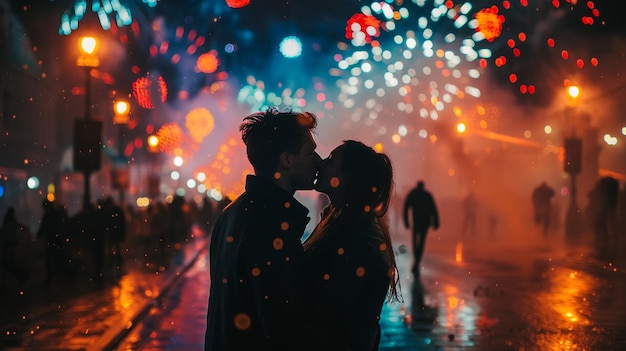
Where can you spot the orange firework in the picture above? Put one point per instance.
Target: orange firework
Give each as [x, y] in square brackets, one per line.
[170, 137]
[200, 123]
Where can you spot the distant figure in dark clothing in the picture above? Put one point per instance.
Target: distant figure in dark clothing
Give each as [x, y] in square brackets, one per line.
[620, 233]
[53, 231]
[542, 206]
[255, 253]
[350, 267]
[424, 215]
[10, 233]
[469, 212]
[115, 229]
[90, 227]
[602, 212]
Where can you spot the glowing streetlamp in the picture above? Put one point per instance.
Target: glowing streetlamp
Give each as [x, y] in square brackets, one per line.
[121, 109]
[121, 176]
[573, 167]
[87, 133]
[154, 178]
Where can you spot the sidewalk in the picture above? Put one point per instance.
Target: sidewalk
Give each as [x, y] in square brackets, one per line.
[84, 316]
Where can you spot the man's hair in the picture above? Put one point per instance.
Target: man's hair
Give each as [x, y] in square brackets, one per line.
[270, 133]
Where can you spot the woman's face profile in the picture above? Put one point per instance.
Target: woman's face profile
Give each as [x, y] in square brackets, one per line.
[330, 175]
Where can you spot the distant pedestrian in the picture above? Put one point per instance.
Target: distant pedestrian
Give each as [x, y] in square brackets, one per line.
[424, 215]
[90, 227]
[601, 213]
[620, 232]
[469, 215]
[350, 267]
[54, 232]
[115, 229]
[542, 206]
[256, 253]
[10, 233]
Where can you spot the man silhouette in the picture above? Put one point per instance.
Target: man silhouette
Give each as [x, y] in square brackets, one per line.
[424, 215]
[256, 254]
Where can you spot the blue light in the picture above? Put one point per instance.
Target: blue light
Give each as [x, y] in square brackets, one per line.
[1, 190]
[291, 47]
[229, 48]
[103, 9]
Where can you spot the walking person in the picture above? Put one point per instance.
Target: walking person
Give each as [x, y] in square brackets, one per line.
[255, 251]
[542, 205]
[424, 215]
[469, 216]
[53, 231]
[350, 268]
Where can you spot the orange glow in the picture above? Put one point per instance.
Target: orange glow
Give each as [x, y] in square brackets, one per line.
[200, 123]
[170, 136]
[153, 143]
[489, 23]
[207, 63]
[461, 128]
[88, 45]
[573, 91]
[458, 257]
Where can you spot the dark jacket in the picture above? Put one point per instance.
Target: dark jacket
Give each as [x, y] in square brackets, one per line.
[256, 258]
[423, 209]
[345, 287]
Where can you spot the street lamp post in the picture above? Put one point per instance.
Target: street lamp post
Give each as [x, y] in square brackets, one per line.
[573, 167]
[154, 177]
[122, 110]
[87, 133]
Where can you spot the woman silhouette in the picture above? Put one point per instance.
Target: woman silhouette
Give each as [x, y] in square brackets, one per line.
[350, 267]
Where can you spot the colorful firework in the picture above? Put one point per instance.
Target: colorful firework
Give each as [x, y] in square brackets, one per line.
[427, 55]
[199, 123]
[149, 91]
[257, 95]
[104, 9]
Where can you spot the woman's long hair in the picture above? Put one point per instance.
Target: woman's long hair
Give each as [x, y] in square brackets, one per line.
[364, 195]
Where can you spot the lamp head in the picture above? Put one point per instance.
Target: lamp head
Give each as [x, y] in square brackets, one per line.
[88, 45]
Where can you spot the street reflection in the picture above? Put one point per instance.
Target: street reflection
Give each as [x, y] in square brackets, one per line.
[563, 310]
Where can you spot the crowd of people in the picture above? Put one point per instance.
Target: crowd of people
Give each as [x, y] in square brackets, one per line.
[93, 243]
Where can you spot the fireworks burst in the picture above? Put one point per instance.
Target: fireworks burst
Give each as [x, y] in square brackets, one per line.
[104, 9]
[427, 55]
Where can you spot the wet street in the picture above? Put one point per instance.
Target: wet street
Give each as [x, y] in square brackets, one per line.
[532, 298]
